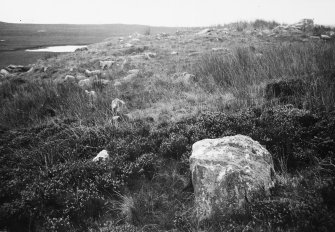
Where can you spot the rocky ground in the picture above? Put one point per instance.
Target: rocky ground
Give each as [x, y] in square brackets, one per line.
[141, 102]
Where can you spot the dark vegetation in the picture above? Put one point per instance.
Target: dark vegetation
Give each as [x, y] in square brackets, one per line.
[49, 134]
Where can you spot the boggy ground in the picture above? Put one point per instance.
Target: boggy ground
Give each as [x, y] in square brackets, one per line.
[277, 89]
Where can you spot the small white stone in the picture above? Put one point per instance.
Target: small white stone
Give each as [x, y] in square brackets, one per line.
[103, 155]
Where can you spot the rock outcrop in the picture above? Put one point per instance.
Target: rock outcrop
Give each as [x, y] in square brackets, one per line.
[227, 171]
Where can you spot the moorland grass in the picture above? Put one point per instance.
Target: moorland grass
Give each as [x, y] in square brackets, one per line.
[50, 132]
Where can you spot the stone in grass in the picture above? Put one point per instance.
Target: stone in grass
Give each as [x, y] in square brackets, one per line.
[102, 155]
[227, 171]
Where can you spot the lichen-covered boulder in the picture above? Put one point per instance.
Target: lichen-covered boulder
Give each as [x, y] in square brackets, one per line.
[226, 172]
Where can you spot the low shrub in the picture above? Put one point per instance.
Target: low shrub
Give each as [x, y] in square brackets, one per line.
[51, 182]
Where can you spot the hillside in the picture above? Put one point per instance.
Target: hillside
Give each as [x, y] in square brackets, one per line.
[20, 36]
[274, 83]
[15, 38]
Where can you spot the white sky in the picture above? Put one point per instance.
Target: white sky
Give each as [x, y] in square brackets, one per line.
[165, 12]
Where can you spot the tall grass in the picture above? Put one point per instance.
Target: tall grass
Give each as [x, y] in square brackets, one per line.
[257, 24]
[241, 71]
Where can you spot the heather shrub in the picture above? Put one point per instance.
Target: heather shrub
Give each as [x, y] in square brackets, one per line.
[174, 146]
[52, 183]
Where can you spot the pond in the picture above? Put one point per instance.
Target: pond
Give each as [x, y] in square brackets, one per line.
[67, 48]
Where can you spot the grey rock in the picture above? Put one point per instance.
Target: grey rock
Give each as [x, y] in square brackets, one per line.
[226, 172]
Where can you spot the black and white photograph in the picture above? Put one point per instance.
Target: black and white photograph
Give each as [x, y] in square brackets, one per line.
[167, 116]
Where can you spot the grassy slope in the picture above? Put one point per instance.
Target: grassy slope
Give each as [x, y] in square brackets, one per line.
[150, 159]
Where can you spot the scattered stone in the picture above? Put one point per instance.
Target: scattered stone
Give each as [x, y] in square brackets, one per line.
[129, 77]
[304, 25]
[117, 83]
[194, 53]
[220, 49]
[126, 117]
[80, 77]
[116, 119]
[132, 75]
[103, 156]
[86, 83]
[4, 72]
[150, 55]
[106, 64]
[104, 82]
[134, 71]
[92, 96]
[226, 172]
[174, 53]
[184, 77]
[204, 31]
[92, 73]
[70, 78]
[314, 37]
[17, 68]
[118, 105]
[121, 117]
[81, 49]
[162, 34]
[67, 78]
[128, 45]
[325, 37]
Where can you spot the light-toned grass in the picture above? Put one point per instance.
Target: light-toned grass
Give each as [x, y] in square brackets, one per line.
[244, 70]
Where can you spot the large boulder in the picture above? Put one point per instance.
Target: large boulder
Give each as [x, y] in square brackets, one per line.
[226, 172]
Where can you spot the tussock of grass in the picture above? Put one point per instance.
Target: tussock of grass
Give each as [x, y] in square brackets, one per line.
[239, 72]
